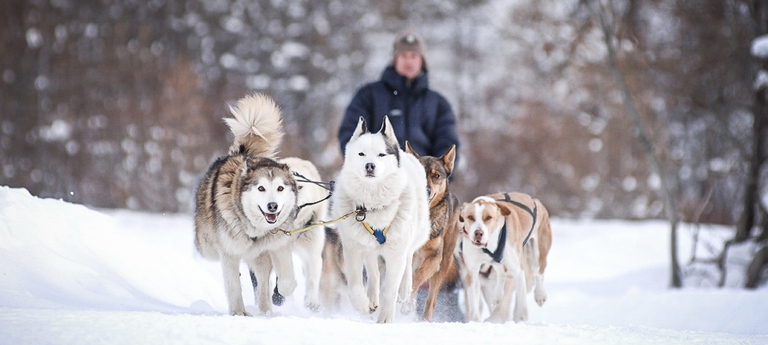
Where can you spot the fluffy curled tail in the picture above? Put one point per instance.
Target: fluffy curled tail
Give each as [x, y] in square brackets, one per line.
[257, 125]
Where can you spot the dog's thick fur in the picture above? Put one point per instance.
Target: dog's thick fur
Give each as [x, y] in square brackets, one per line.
[333, 281]
[480, 222]
[308, 245]
[390, 185]
[434, 261]
[242, 198]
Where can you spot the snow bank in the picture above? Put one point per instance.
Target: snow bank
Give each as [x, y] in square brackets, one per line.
[53, 253]
[75, 275]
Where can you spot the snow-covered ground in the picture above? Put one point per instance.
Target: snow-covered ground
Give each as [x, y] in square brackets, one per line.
[73, 275]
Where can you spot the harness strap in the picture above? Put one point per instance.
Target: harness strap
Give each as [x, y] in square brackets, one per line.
[499, 253]
[312, 225]
[533, 214]
[329, 186]
[380, 234]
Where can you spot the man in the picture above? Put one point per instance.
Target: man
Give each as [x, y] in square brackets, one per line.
[418, 114]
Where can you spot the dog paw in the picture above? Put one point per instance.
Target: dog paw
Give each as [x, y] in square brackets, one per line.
[239, 313]
[265, 306]
[520, 315]
[496, 319]
[540, 298]
[363, 305]
[286, 286]
[277, 298]
[312, 306]
[407, 307]
[372, 308]
[386, 318]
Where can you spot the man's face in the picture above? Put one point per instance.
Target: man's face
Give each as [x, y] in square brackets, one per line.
[408, 64]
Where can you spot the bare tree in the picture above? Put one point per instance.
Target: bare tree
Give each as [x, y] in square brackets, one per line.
[606, 15]
[753, 209]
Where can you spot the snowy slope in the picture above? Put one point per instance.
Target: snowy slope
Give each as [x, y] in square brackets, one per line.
[72, 275]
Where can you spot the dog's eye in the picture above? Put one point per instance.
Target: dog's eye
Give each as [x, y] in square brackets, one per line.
[382, 154]
[262, 189]
[487, 218]
[280, 189]
[361, 154]
[471, 218]
[436, 176]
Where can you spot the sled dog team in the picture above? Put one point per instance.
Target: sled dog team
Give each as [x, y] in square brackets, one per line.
[396, 225]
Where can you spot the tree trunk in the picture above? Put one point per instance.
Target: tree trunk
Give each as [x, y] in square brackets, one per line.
[629, 104]
[755, 269]
[747, 219]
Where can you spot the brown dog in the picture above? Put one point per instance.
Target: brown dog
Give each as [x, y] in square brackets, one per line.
[434, 261]
[508, 233]
[332, 280]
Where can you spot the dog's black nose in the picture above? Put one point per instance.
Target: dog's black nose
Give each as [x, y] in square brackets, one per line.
[478, 235]
[370, 167]
[272, 207]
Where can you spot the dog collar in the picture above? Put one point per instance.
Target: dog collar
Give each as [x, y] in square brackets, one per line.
[499, 253]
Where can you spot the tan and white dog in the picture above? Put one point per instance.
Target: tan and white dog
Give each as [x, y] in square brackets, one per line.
[508, 233]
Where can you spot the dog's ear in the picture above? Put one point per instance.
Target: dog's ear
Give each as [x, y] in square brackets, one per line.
[505, 211]
[389, 133]
[448, 159]
[410, 150]
[361, 129]
[461, 212]
[251, 163]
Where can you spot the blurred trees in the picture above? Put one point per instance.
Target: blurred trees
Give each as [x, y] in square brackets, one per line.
[119, 103]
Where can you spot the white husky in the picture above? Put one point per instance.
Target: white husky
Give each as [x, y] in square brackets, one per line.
[387, 188]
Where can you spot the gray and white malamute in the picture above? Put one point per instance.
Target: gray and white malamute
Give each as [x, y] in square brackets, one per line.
[386, 188]
[243, 199]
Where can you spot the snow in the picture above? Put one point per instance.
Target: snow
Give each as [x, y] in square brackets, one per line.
[760, 47]
[74, 275]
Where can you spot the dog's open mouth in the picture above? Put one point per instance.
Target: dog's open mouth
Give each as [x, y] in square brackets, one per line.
[271, 218]
[480, 244]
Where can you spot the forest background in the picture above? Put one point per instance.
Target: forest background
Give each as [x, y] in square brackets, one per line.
[119, 104]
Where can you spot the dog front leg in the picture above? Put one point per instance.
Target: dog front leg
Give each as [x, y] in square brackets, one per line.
[472, 294]
[313, 267]
[406, 287]
[521, 304]
[395, 271]
[514, 285]
[373, 269]
[230, 267]
[435, 283]
[501, 313]
[353, 263]
[261, 267]
[282, 259]
[428, 268]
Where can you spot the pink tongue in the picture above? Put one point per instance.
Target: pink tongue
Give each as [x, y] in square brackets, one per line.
[271, 217]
